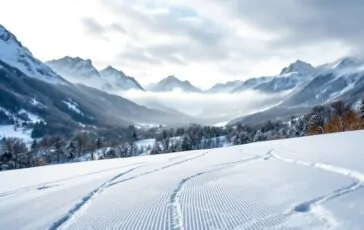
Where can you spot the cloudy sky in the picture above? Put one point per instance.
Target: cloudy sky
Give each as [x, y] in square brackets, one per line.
[203, 41]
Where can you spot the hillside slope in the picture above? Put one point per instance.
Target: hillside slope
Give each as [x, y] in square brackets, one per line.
[275, 184]
[27, 84]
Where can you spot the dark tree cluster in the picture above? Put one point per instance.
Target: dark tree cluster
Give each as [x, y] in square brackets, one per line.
[337, 117]
[55, 149]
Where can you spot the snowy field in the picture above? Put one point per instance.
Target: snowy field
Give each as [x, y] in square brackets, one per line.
[306, 183]
[11, 131]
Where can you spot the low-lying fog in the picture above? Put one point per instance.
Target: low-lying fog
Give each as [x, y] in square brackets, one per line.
[212, 108]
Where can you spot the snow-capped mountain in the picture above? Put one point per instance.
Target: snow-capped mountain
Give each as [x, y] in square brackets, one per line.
[78, 70]
[75, 67]
[225, 87]
[339, 80]
[299, 66]
[252, 83]
[291, 77]
[14, 54]
[341, 64]
[171, 83]
[119, 80]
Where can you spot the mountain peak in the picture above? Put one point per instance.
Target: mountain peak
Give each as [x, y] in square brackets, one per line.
[110, 70]
[6, 35]
[172, 78]
[75, 69]
[346, 62]
[172, 83]
[118, 79]
[75, 60]
[299, 67]
[14, 54]
[82, 71]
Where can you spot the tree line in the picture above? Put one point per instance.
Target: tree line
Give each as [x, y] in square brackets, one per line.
[16, 154]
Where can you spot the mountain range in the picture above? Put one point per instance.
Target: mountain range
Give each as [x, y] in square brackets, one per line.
[27, 84]
[78, 70]
[71, 93]
[340, 80]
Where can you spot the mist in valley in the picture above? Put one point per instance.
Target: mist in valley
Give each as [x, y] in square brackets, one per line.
[206, 108]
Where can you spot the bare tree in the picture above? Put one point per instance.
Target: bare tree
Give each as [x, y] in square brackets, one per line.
[319, 117]
[15, 153]
[59, 146]
[340, 110]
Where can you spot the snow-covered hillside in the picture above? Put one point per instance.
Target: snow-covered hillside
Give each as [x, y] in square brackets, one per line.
[307, 183]
[14, 54]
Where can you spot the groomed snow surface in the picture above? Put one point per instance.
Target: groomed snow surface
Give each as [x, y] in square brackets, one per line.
[306, 183]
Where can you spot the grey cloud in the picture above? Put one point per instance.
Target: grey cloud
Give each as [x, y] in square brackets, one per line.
[305, 21]
[95, 28]
[297, 24]
[144, 55]
[136, 54]
[206, 32]
[118, 28]
[196, 38]
[171, 52]
[92, 26]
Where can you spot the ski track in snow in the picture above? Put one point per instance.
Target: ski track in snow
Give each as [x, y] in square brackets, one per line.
[313, 207]
[86, 201]
[158, 169]
[175, 209]
[52, 184]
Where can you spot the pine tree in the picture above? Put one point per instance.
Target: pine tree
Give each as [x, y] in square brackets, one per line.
[156, 149]
[71, 149]
[186, 143]
[59, 148]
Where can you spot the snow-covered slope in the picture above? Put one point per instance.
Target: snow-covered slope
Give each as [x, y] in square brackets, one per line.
[268, 185]
[14, 54]
[82, 71]
[171, 83]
